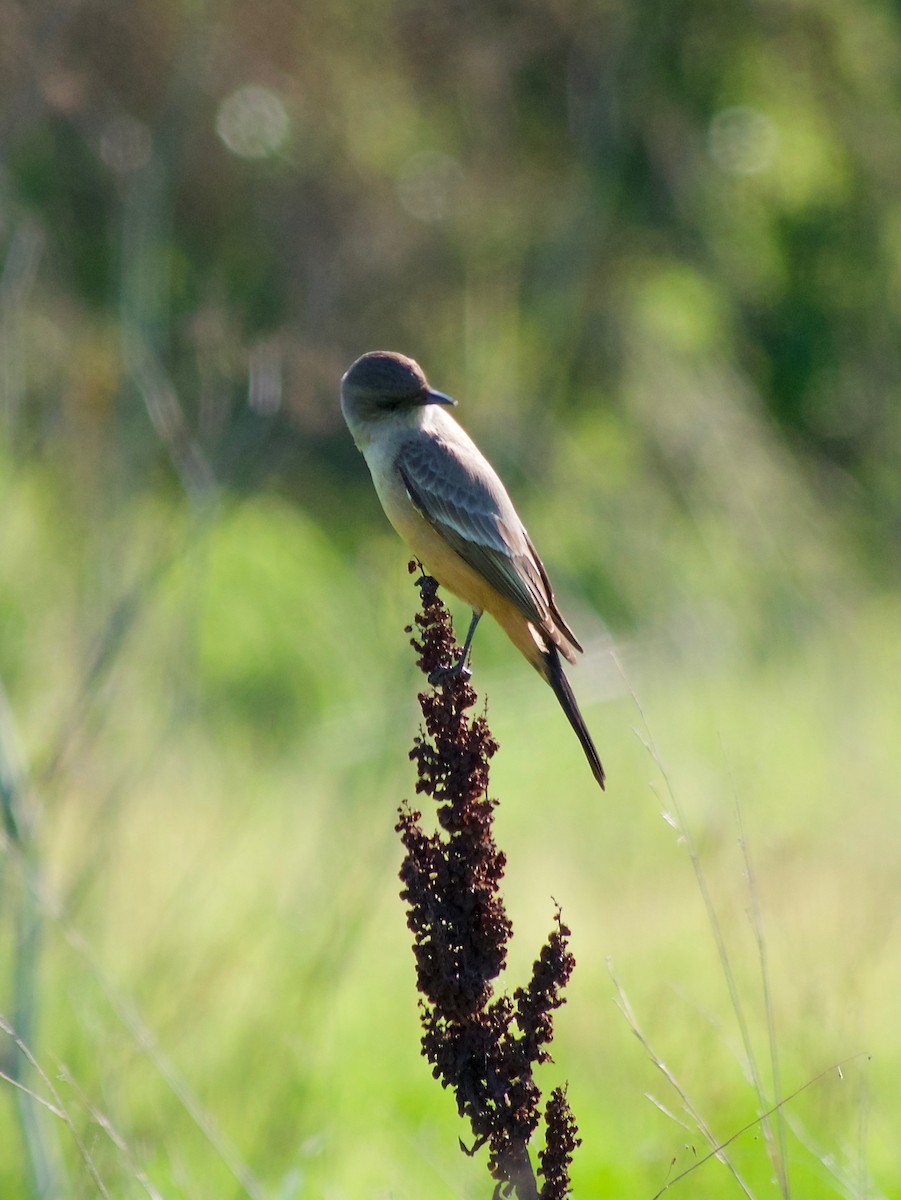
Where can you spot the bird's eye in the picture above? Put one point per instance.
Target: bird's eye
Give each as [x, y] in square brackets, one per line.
[390, 404]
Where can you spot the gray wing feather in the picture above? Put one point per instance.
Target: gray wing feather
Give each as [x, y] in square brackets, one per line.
[473, 513]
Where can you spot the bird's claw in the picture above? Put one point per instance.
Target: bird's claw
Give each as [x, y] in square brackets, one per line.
[444, 674]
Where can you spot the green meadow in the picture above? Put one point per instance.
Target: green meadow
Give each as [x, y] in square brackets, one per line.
[204, 951]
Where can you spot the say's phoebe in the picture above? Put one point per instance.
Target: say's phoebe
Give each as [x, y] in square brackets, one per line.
[446, 501]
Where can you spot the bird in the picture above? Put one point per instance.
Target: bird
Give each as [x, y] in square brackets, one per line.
[449, 505]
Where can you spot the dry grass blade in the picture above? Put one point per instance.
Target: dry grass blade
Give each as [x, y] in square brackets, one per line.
[718, 1150]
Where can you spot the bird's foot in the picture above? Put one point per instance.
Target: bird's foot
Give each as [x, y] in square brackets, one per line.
[444, 674]
[424, 579]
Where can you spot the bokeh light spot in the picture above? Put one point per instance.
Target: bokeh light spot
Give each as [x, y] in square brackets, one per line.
[125, 145]
[252, 122]
[429, 185]
[742, 141]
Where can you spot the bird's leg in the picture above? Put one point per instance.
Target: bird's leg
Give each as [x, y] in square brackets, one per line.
[443, 674]
[461, 667]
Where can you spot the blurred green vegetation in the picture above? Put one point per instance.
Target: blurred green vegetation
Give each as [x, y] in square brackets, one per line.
[656, 253]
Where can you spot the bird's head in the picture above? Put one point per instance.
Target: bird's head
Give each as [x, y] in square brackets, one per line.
[385, 387]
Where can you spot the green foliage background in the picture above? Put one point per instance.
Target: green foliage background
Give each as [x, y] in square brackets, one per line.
[655, 251]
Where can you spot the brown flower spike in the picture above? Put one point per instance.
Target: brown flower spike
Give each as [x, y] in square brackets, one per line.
[482, 1046]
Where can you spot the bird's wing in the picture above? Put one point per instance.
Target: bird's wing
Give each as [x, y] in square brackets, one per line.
[463, 499]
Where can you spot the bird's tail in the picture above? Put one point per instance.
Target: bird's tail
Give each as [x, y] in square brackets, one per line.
[553, 672]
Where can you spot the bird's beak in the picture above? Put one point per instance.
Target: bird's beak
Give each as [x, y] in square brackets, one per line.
[430, 396]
